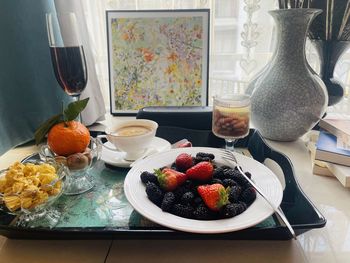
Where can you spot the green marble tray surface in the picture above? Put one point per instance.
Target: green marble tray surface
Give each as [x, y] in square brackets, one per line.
[106, 205]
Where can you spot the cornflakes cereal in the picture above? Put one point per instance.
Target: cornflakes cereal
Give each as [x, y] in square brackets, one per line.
[26, 202]
[28, 185]
[12, 202]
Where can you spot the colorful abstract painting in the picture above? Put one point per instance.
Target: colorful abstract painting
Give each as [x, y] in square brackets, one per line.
[157, 59]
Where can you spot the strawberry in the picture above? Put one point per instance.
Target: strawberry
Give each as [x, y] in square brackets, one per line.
[183, 161]
[202, 171]
[214, 196]
[169, 179]
[185, 145]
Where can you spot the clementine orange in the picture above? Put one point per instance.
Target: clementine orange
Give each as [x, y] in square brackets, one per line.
[67, 138]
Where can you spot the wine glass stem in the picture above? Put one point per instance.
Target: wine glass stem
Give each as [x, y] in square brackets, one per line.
[77, 98]
[230, 145]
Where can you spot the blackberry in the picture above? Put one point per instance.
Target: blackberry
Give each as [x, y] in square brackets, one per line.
[202, 213]
[154, 193]
[248, 195]
[216, 181]
[183, 210]
[241, 207]
[148, 177]
[196, 183]
[198, 201]
[196, 160]
[218, 173]
[168, 202]
[236, 168]
[201, 159]
[206, 159]
[206, 155]
[230, 173]
[179, 192]
[188, 184]
[240, 179]
[234, 193]
[187, 198]
[248, 174]
[228, 182]
[230, 210]
[225, 167]
[173, 166]
[233, 209]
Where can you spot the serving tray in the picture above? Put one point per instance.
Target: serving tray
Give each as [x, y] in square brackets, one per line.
[104, 212]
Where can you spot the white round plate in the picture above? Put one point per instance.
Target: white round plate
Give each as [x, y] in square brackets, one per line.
[256, 212]
[116, 158]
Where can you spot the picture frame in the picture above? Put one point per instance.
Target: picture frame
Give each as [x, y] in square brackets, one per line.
[157, 58]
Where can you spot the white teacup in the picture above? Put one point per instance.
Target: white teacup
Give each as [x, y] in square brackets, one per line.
[132, 137]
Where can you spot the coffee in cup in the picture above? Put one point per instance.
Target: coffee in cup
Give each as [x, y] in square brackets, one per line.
[132, 130]
[132, 137]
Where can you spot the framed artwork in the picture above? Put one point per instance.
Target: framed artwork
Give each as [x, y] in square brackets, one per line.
[157, 58]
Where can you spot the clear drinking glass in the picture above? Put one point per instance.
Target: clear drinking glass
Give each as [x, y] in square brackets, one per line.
[231, 115]
[67, 53]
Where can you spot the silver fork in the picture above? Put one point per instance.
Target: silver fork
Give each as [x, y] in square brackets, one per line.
[229, 156]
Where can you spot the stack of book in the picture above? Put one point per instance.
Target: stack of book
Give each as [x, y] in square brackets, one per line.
[332, 155]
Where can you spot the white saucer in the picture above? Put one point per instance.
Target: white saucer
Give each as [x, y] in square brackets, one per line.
[115, 158]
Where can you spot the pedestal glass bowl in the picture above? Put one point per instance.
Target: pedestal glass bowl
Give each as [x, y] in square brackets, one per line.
[29, 192]
[79, 180]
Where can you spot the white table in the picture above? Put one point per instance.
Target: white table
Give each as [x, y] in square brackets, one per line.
[329, 244]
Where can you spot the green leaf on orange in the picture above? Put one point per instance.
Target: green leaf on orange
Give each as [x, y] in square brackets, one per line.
[70, 113]
[44, 128]
[74, 108]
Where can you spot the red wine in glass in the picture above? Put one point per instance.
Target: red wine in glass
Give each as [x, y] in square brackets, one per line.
[70, 68]
[67, 53]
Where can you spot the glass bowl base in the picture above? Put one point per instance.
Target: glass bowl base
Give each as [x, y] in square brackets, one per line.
[47, 217]
[79, 185]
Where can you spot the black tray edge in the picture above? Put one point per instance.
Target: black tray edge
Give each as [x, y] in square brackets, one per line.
[276, 233]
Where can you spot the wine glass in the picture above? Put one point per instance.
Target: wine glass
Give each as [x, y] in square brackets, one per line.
[231, 114]
[67, 53]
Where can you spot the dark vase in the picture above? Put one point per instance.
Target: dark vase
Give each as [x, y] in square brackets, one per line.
[329, 53]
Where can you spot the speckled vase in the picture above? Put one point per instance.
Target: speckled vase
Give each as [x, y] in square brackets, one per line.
[288, 98]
